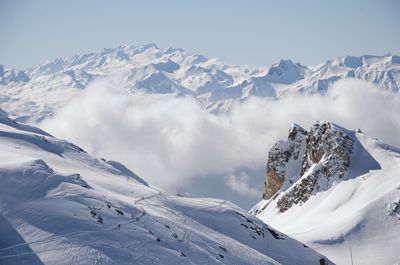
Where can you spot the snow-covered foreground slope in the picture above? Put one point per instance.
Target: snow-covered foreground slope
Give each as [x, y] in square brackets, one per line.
[335, 189]
[37, 93]
[59, 205]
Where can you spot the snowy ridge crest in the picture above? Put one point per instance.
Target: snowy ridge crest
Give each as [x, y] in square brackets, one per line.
[154, 70]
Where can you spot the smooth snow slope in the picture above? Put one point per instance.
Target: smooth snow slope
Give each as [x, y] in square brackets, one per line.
[59, 205]
[362, 211]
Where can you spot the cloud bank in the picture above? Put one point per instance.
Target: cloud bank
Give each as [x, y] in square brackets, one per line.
[240, 184]
[171, 140]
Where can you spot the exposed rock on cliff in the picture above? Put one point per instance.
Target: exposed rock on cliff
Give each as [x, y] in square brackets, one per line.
[345, 191]
[283, 158]
[306, 163]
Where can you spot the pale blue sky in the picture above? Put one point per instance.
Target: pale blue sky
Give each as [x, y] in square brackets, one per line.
[239, 32]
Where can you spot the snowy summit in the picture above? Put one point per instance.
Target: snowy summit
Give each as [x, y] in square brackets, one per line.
[153, 70]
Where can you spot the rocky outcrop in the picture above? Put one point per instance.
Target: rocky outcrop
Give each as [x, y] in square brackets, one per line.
[281, 157]
[327, 141]
[306, 163]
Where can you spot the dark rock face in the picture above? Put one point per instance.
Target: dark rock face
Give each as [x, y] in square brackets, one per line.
[306, 163]
[329, 142]
[279, 157]
[299, 194]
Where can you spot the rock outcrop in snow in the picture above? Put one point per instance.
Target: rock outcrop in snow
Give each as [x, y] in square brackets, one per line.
[284, 159]
[326, 159]
[307, 163]
[330, 187]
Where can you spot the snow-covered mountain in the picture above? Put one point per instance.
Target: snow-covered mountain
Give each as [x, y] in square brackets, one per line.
[60, 205]
[36, 93]
[335, 189]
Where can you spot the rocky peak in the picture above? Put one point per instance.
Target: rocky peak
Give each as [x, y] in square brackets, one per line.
[282, 158]
[294, 132]
[326, 141]
[285, 72]
[306, 163]
[282, 66]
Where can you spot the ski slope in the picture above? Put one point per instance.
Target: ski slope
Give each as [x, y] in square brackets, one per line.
[59, 205]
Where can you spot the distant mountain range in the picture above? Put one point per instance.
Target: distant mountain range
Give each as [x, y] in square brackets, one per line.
[35, 93]
[329, 188]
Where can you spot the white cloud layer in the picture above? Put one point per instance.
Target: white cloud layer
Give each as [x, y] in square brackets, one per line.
[169, 140]
[240, 183]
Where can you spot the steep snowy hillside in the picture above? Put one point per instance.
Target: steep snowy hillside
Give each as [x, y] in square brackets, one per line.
[59, 205]
[36, 93]
[335, 189]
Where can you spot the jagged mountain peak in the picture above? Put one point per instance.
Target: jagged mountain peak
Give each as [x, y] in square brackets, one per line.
[355, 62]
[210, 81]
[285, 72]
[284, 158]
[306, 157]
[124, 56]
[12, 76]
[331, 187]
[286, 64]
[294, 130]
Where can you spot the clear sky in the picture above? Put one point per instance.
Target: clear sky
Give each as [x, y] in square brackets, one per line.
[239, 32]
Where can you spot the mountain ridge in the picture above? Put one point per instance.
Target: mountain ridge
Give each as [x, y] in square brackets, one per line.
[153, 70]
[340, 186]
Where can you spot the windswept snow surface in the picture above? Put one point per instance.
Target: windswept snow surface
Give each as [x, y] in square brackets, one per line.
[59, 205]
[361, 211]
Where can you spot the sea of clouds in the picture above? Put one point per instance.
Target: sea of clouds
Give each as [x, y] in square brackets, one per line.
[170, 141]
